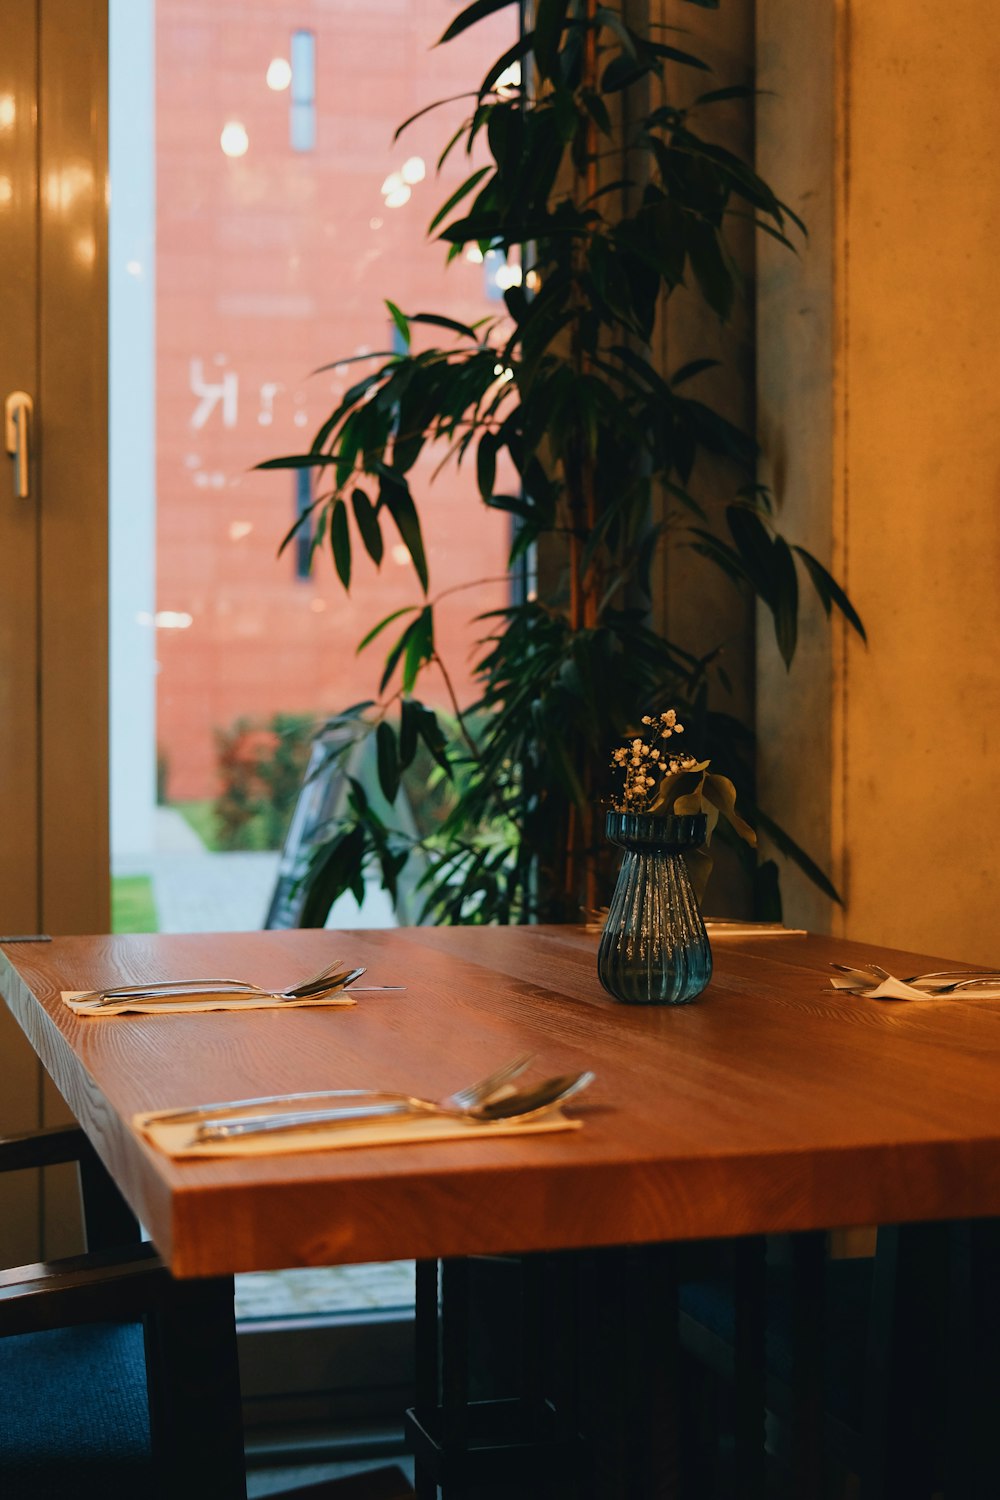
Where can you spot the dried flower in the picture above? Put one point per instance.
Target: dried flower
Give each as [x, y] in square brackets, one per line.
[664, 781]
[645, 764]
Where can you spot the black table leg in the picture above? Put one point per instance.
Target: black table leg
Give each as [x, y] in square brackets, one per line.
[973, 1396]
[194, 1384]
[905, 1395]
[749, 1367]
[628, 1327]
[490, 1429]
[426, 1381]
[108, 1220]
[808, 1266]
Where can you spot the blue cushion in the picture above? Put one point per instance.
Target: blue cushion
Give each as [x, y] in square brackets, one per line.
[73, 1414]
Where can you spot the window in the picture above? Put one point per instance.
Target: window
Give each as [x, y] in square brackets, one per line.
[268, 195]
[302, 119]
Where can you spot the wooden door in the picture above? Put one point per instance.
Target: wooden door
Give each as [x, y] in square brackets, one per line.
[54, 870]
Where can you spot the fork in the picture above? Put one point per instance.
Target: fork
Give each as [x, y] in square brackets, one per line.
[519, 1104]
[327, 980]
[961, 976]
[468, 1097]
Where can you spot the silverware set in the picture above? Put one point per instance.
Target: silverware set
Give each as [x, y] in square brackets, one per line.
[491, 1099]
[327, 982]
[949, 981]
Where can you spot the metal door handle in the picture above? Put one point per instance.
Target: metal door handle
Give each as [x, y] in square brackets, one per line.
[17, 411]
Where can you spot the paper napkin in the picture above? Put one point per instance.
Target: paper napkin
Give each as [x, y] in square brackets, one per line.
[860, 981]
[186, 1002]
[176, 1140]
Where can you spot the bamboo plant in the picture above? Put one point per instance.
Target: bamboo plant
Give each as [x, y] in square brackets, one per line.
[561, 391]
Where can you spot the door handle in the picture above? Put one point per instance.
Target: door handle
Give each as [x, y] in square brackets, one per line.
[17, 412]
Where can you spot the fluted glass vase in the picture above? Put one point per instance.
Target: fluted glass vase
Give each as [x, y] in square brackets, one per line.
[654, 949]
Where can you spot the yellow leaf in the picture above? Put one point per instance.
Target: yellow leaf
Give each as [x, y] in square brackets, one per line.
[719, 790]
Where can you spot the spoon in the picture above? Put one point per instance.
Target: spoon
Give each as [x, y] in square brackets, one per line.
[463, 1098]
[325, 982]
[521, 1104]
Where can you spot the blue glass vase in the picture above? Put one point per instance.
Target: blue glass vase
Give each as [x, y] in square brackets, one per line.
[654, 949]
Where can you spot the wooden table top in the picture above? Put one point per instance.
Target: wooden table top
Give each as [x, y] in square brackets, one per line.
[771, 1104]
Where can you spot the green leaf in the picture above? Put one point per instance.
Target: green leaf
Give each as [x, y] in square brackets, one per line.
[419, 647]
[622, 71]
[395, 496]
[598, 112]
[566, 114]
[409, 718]
[473, 13]
[486, 464]
[709, 266]
[368, 525]
[400, 321]
[550, 17]
[605, 16]
[758, 223]
[830, 592]
[456, 197]
[333, 869]
[520, 49]
[408, 609]
[753, 543]
[388, 761]
[673, 54]
[694, 367]
[300, 523]
[734, 91]
[438, 104]
[340, 543]
[437, 321]
[299, 461]
[430, 732]
[395, 652]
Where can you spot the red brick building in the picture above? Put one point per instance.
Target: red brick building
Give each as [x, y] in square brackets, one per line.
[273, 260]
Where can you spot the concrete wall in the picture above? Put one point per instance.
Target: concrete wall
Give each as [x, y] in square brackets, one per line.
[878, 406]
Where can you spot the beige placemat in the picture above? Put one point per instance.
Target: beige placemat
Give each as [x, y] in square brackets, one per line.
[721, 927]
[176, 1140]
[188, 1002]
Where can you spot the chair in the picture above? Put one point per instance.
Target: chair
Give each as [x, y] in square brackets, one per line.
[113, 1375]
[116, 1380]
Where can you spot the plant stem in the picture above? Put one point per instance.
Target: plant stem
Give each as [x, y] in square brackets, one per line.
[467, 737]
[584, 589]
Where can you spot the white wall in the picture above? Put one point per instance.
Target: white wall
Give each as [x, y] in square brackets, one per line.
[880, 410]
[132, 426]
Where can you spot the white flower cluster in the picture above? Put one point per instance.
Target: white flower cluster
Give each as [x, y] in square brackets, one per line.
[644, 762]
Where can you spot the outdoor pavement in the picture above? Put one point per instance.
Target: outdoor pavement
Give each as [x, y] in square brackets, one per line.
[196, 890]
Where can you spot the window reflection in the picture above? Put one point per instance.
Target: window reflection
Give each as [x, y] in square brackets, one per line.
[284, 215]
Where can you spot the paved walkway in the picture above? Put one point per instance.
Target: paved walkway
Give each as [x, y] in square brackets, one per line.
[196, 890]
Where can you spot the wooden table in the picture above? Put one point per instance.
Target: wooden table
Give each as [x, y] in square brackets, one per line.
[771, 1105]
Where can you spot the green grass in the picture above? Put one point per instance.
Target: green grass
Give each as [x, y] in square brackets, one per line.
[201, 817]
[132, 906]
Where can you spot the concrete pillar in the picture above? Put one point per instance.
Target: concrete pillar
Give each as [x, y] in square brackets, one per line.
[878, 408]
